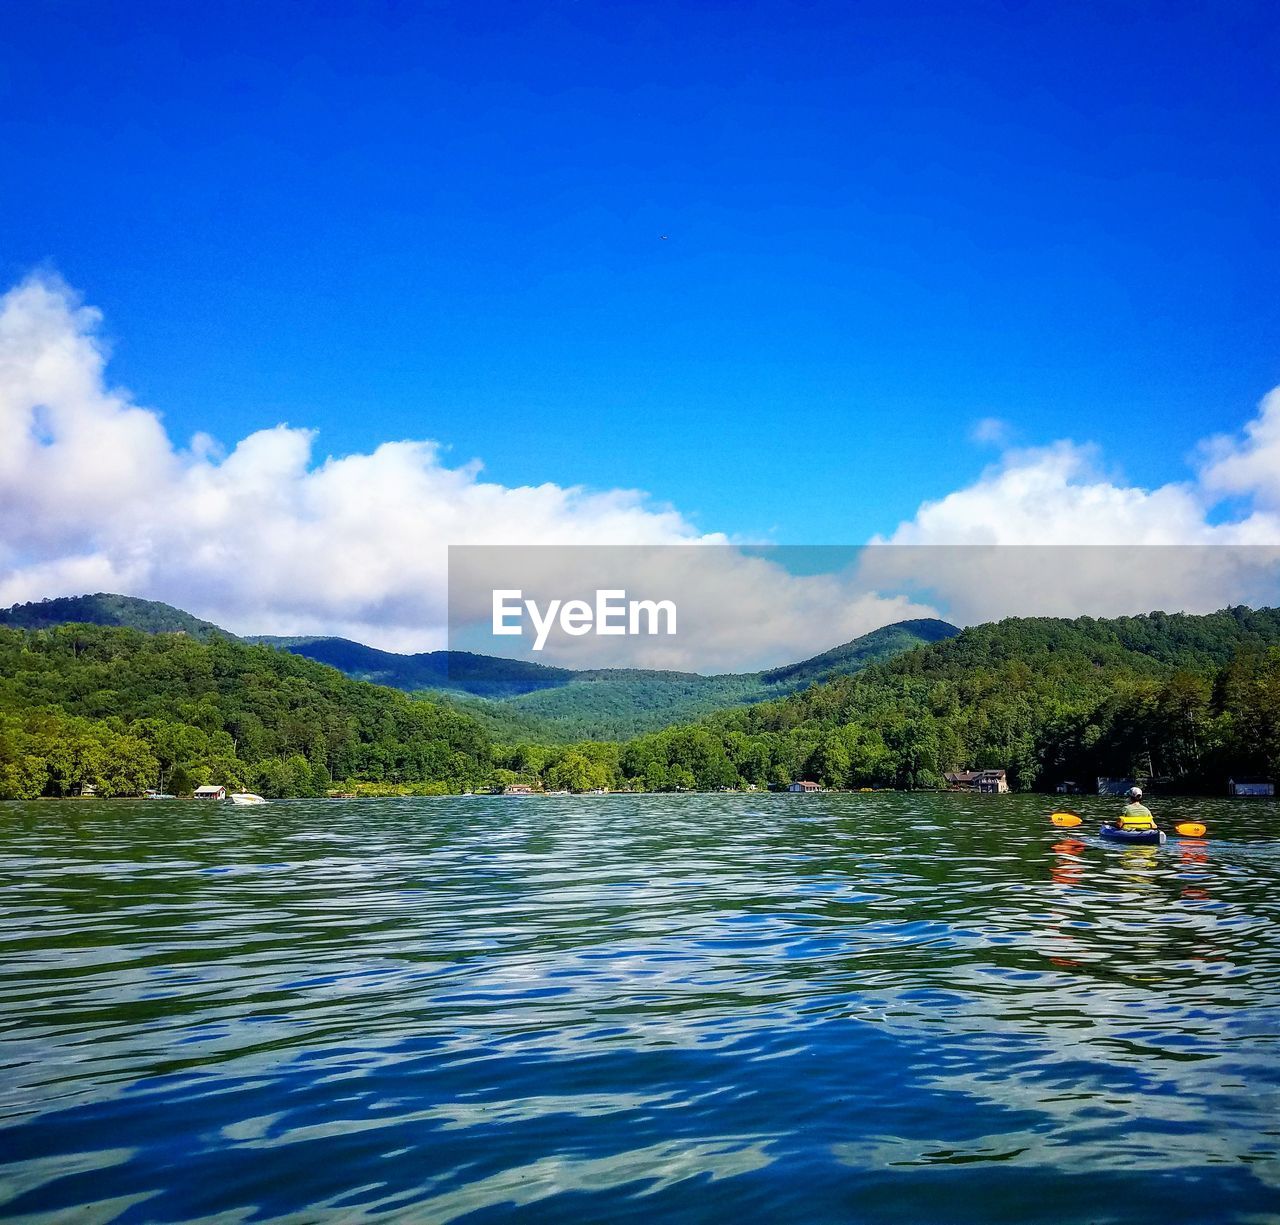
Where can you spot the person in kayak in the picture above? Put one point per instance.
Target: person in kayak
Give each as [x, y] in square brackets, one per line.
[1135, 814]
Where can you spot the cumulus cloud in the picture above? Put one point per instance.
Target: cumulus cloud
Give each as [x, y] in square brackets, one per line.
[94, 495]
[267, 538]
[1048, 530]
[1248, 466]
[1056, 495]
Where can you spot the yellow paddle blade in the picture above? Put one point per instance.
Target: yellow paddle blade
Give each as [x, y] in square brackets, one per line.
[1191, 829]
[1064, 820]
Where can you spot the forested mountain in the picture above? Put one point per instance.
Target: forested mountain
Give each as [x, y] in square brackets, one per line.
[528, 700]
[850, 657]
[121, 709]
[514, 699]
[1185, 700]
[150, 616]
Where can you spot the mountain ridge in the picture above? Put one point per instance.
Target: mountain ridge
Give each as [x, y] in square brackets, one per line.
[1185, 701]
[514, 698]
[109, 609]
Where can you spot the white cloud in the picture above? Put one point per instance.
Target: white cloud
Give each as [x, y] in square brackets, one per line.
[1092, 543]
[94, 496]
[1248, 466]
[1061, 494]
[1057, 495]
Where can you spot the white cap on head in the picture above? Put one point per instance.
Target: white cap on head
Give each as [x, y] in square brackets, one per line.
[1134, 793]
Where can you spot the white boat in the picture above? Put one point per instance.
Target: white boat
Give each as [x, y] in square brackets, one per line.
[243, 799]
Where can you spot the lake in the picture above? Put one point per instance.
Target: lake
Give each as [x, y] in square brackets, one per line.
[878, 1008]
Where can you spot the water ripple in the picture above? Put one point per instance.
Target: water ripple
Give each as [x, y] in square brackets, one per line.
[881, 1007]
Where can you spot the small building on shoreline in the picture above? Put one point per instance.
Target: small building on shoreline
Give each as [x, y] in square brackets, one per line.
[986, 782]
[1253, 788]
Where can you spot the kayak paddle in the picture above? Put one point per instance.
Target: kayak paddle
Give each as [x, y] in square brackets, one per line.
[1069, 820]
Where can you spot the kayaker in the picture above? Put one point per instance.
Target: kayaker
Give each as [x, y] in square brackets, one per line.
[1135, 814]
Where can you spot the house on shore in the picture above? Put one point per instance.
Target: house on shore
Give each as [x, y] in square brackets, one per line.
[517, 789]
[987, 782]
[803, 785]
[211, 792]
[1251, 787]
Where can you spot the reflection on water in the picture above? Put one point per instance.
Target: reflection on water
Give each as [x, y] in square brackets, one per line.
[872, 1007]
[1068, 868]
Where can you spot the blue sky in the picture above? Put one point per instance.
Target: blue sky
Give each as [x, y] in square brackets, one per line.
[883, 222]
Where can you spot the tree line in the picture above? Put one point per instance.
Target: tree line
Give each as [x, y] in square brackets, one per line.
[1186, 700]
[1189, 701]
[122, 711]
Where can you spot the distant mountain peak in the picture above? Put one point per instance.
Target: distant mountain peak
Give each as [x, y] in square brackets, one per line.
[109, 608]
[865, 649]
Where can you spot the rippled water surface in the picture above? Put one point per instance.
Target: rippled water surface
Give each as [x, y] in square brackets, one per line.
[690, 1008]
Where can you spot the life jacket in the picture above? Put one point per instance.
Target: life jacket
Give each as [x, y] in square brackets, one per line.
[1137, 816]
